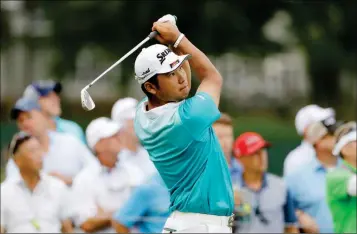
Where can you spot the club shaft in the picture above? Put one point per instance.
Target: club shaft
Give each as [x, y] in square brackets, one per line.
[119, 61]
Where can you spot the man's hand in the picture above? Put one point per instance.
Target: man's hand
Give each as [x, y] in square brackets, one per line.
[65, 179]
[168, 32]
[307, 223]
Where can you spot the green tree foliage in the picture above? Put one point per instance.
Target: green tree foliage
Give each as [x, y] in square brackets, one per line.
[325, 30]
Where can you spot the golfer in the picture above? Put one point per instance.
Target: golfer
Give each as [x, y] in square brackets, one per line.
[177, 132]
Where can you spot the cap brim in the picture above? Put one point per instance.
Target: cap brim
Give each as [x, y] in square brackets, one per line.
[256, 148]
[349, 137]
[181, 59]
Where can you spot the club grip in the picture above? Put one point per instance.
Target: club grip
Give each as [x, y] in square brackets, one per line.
[153, 34]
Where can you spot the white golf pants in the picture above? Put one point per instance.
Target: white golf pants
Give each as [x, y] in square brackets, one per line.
[180, 222]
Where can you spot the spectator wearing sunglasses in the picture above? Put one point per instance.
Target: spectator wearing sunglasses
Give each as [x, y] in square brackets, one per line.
[46, 93]
[341, 182]
[308, 183]
[64, 154]
[34, 202]
[265, 204]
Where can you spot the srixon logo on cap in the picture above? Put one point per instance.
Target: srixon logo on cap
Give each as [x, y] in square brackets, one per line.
[162, 56]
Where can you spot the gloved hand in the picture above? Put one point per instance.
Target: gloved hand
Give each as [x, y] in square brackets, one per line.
[169, 18]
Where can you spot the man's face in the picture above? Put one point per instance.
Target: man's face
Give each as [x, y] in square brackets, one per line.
[257, 162]
[107, 150]
[224, 133]
[29, 156]
[173, 86]
[51, 104]
[349, 151]
[32, 122]
[326, 144]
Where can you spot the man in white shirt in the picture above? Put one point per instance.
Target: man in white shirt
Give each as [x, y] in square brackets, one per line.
[34, 202]
[64, 155]
[123, 112]
[101, 189]
[305, 151]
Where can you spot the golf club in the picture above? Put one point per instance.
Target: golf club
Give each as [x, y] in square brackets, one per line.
[86, 100]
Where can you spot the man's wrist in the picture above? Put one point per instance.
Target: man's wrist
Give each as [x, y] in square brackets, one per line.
[178, 40]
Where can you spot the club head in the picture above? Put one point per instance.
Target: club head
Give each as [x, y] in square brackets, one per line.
[86, 100]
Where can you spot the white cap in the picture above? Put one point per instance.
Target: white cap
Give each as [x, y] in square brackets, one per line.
[343, 141]
[156, 59]
[311, 114]
[124, 109]
[101, 128]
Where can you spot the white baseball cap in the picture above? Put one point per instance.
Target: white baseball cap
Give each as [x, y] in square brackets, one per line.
[124, 109]
[343, 141]
[311, 114]
[156, 59]
[101, 128]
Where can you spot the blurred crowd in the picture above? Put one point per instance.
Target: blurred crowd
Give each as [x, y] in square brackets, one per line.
[60, 178]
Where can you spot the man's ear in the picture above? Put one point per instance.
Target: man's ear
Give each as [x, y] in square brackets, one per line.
[150, 88]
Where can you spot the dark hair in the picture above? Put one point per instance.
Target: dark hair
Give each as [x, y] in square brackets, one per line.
[17, 140]
[153, 80]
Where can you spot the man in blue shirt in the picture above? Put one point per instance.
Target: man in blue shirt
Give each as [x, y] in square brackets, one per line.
[146, 210]
[46, 93]
[177, 132]
[308, 184]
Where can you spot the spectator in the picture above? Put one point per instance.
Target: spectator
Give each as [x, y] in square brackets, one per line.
[265, 203]
[341, 182]
[101, 189]
[46, 92]
[123, 112]
[305, 151]
[146, 210]
[33, 202]
[308, 183]
[64, 156]
[223, 128]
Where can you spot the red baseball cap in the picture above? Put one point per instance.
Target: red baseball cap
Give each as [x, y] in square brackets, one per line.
[248, 143]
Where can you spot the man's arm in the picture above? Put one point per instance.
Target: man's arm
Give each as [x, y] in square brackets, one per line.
[132, 211]
[307, 223]
[2, 230]
[67, 180]
[206, 72]
[211, 80]
[100, 221]
[289, 215]
[67, 226]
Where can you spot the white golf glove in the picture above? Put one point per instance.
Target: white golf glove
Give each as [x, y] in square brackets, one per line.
[169, 18]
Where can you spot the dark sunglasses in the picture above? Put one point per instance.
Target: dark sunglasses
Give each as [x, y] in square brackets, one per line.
[17, 140]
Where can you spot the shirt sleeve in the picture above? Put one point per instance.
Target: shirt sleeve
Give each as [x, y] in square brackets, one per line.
[198, 114]
[2, 209]
[83, 203]
[65, 203]
[11, 169]
[132, 211]
[337, 183]
[85, 155]
[289, 210]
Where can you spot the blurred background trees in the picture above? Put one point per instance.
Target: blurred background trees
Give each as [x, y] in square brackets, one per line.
[324, 30]
[255, 44]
